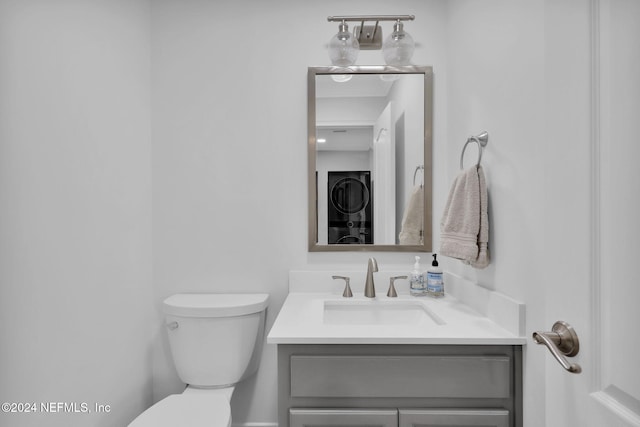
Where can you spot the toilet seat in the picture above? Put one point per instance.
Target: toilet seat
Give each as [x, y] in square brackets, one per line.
[187, 410]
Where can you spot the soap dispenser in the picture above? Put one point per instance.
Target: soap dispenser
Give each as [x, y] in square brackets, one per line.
[435, 281]
[417, 287]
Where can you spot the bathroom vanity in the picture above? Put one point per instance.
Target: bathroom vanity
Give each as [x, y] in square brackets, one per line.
[401, 361]
[402, 385]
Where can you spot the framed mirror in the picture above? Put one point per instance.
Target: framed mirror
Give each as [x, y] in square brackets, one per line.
[369, 158]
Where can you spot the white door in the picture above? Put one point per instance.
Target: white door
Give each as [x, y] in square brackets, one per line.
[593, 220]
[383, 177]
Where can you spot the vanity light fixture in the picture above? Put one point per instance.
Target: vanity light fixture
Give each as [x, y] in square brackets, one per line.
[344, 47]
[398, 47]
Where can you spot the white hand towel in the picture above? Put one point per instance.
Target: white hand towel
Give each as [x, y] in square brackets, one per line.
[411, 233]
[465, 223]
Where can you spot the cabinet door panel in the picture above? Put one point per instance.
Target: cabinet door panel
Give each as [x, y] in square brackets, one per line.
[343, 417]
[453, 417]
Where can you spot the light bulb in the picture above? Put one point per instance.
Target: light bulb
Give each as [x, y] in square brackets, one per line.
[343, 47]
[398, 47]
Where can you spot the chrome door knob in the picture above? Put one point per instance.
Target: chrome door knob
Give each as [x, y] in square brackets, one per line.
[561, 341]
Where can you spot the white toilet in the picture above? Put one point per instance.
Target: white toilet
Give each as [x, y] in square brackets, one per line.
[216, 341]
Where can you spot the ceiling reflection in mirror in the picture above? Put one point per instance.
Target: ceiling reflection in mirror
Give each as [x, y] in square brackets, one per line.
[369, 159]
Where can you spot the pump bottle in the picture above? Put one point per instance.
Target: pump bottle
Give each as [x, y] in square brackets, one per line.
[417, 285]
[435, 280]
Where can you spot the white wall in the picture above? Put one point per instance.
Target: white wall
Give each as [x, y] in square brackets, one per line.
[75, 209]
[496, 82]
[356, 110]
[229, 154]
[522, 71]
[410, 110]
[227, 100]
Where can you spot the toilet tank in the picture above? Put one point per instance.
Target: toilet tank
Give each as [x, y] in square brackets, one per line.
[215, 339]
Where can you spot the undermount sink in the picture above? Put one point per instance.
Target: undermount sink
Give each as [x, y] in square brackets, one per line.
[376, 312]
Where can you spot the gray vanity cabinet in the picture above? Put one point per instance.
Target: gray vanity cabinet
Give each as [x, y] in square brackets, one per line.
[397, 418]
[399, 385]
[343, 418]
[453, 418]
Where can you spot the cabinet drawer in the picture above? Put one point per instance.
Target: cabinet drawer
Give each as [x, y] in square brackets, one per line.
[454, 417]
[343, 417]
[400, 376]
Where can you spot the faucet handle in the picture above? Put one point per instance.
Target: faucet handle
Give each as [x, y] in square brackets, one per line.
[347, 289]
[392, 289]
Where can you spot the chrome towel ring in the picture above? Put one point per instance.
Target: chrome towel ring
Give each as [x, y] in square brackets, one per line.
[481, 140]
[418, 168]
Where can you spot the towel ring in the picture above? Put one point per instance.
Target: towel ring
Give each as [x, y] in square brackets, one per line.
[481, 140]
[380, 133]
[418, 168]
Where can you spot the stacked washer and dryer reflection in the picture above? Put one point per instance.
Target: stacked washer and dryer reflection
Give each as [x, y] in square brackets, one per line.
[350, 210]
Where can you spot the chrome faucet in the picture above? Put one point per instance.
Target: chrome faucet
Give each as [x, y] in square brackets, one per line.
[347, 289]
[369, 288]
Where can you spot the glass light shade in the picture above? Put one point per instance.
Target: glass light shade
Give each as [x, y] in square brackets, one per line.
[389, 77]
[398, 47]
[341, 78]
[343, 47]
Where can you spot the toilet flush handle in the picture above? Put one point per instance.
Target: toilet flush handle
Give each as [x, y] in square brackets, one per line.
[173, 325]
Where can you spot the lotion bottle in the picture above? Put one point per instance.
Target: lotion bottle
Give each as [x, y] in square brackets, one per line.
[435, 280]
[417, 285]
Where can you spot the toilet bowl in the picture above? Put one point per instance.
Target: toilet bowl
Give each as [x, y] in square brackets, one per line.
[187, 411]
[215, 341]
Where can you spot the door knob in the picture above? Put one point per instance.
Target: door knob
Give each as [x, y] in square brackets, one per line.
[561, 341]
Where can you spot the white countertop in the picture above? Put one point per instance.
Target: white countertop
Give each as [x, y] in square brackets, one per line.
[300, 321]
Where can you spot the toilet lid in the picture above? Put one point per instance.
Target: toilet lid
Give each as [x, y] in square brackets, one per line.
[186, 411]
[214, 305]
